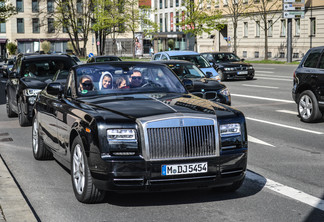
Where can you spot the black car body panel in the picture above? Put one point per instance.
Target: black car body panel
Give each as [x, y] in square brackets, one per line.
[204, 87]
[229, 65]
[138, 166]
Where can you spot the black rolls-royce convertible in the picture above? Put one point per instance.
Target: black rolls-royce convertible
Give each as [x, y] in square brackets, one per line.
[134, 126]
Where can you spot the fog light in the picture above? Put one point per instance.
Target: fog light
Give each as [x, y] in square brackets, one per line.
[31, 100]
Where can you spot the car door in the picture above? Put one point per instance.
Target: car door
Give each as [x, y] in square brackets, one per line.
[12, 86]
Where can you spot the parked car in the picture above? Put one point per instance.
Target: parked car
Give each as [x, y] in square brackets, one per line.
[7, 66]
[29, 76]
[203, 86]
[76, 59]
[106, 58]
[229, 65]
[190, 56]
[308, 85]
[150, 134]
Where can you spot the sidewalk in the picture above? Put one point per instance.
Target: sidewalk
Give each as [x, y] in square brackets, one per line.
[13, 206]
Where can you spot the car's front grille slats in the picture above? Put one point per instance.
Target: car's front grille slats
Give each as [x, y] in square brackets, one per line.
[181, 142]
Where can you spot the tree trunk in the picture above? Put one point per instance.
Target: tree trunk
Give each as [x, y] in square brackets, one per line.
[235, 37]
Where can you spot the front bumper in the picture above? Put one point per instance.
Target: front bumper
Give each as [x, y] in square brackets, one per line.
[137, 174]
[234, 74]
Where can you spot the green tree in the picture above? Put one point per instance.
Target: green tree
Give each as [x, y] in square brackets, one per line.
[198, 20]
[6, 10]
[46, 46]
[12, 48]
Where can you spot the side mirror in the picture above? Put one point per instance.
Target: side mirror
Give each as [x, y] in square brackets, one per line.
[209, 74]
[242, 60]
[188, 84]
[54, 89]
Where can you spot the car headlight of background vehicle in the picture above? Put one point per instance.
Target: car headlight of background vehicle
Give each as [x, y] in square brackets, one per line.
[122, 142]
[225, 92]
[231, 129]
[229, 69]
[31, 92]
[250, 67]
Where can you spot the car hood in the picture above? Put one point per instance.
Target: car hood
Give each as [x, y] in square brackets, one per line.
[143, 105]
[206, 84]
[234, 64]
[34, 83]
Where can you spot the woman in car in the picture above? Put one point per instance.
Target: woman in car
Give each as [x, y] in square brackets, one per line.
[105, 81]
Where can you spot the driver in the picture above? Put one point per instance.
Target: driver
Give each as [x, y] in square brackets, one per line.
[136, 79]
[85, 84]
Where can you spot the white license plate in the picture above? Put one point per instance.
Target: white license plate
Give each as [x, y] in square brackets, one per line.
[242, 72]
[180, 169]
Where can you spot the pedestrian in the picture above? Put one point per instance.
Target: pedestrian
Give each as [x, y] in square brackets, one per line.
[151, 51]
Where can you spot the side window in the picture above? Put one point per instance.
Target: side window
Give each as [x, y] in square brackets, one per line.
[70, 85]
[163, 57]
[157, 57]
[321, 62]
[312, 59]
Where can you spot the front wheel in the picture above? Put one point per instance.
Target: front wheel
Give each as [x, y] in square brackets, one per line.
[308, 107]
[10, 112]
[23, 118]
[84, 189]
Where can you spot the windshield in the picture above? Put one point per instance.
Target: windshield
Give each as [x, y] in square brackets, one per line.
[126, 78]
[187, 71]
[198, 60]
[45, 67]
[107, 59]
[226, 57]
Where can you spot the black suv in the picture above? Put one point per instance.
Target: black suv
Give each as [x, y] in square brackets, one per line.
[229, 66]
[28, 77]
[308, 89]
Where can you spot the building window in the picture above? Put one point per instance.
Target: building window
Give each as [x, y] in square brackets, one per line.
[65, 30]
[79, 6]
[216, 3]
[155, 4]
[166, 22]
[282, 55]
[177, 21]
[51, 28]
[20, 5]
[225, 2]
[79, 24]
[165, 3]
[245, 1]
[20, 25]
[256, 54]
[50, 5]
[246, 29]
[257, 28]
[171, 4]
[269, 54]
[177, 3]
[297, 27]
[283, 28]
[270, 28]
[2, 27]
[312, 26]
[35, 25]
[295, 55]
[161, 23]
[244, 54]
[35, 7]
[161, 4]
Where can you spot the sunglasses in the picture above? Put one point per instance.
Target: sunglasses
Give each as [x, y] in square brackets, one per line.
[136, 77]
[86, 84]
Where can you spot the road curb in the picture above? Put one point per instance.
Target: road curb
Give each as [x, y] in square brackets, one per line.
[12, 203]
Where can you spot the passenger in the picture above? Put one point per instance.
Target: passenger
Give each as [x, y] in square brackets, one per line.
[86, 84]
[105, 81]
[121, 83]
[136, 79]
[32, 71]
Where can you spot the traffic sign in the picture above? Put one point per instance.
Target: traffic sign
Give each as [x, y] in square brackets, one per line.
[90, 55]
[294, 14]
[293, 7]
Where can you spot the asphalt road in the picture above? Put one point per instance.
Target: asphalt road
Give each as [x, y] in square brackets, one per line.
[284, 182]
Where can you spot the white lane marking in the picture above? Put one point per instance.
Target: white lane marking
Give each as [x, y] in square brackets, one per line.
[263, 98]
[263, 71]
[285, 126]
[287, 77]
[287, 111]
[258, 86]
[287, 191]
[255, 140]
[278, 79]
[265, 68]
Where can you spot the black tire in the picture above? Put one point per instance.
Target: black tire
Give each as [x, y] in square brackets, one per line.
[40, 151]
[10, 113]
[249, 77]
[307, 107]
[222, 76]
[84, 189]
[23, 118]
[231, 188]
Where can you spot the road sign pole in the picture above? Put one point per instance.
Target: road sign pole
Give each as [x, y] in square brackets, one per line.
[289, 40]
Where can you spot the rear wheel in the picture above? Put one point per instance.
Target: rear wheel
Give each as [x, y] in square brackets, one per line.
[10, 113]
[308, 107]
[249, 77]
[84, 189]
[39, 148]
[23, 118]
[222, 76]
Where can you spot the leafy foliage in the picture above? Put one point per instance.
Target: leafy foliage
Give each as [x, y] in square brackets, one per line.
[46, 46]
[12, 47]
[6, 10]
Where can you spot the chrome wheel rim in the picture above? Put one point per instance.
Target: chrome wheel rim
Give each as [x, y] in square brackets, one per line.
[78, 169]
[35, 137]
[305, 107]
